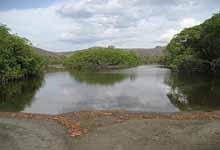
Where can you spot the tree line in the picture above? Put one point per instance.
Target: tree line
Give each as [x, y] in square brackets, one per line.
[102, 58]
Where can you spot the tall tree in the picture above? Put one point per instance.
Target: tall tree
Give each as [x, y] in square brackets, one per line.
[17, 58]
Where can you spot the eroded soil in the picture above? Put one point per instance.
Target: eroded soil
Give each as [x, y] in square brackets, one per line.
[110, 130]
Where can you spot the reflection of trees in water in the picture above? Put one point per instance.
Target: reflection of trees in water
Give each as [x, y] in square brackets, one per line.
[16, 95]
[100, 78]
[194, 92]
[55, 69]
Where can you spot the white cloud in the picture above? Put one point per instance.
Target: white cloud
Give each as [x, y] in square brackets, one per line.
[168, 35]
[42, 26]
[189, 22]
[72, 24]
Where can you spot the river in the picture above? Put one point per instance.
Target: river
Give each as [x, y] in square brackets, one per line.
[149, 88]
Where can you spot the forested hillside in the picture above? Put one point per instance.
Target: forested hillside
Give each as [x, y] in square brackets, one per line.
[50, 58]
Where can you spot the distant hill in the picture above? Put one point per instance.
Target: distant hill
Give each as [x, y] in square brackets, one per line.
[157, 51]
[69, 53]
[50, 57]
[44, 52]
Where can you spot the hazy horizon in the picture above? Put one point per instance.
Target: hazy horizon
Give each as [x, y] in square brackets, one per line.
[68, 25]
[124, 48]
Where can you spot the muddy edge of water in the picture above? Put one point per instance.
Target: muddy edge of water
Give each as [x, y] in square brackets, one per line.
[75, 121]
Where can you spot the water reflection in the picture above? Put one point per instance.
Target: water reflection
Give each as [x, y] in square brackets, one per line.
[144, 88]
[135, 89]
[100, 78]
[15, 96]
[194, 92]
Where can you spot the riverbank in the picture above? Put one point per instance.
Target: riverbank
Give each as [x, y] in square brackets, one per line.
[110, 130]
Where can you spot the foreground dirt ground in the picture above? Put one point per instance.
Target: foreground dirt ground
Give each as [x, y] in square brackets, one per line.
[110, 130]
[32, 135]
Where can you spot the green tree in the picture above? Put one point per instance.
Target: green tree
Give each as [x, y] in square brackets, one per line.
[102, 58]
[17, 59]
[209, 42]
[197, 47]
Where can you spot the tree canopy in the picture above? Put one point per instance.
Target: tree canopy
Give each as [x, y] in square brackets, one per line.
[102, 58]
[17, 58]
[196, 48]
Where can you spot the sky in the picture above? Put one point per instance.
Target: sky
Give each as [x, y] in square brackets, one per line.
[64, 25]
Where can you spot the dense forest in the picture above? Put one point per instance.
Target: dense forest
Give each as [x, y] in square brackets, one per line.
[197, 48]
[102, 58]
[17, 59]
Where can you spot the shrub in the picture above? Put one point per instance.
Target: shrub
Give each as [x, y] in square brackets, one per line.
[17, 58]
[102, 58]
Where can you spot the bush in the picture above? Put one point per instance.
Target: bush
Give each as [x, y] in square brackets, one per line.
[102, 58]
[17, 59]
[153, 59]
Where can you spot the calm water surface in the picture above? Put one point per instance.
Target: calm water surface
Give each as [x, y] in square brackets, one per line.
[146, 88]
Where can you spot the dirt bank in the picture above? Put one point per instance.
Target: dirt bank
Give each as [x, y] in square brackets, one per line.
[110, 130]
[32, 135]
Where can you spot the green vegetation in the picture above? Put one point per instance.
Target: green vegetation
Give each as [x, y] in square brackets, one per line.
[151, 59]
[15, 96]
[102, 58]
[50, 58]
[53, 60]
[99, 78]
[187, 91]
[17, 59]
[197, 48]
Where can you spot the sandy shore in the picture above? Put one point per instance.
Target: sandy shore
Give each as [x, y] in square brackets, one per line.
[110, 130]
